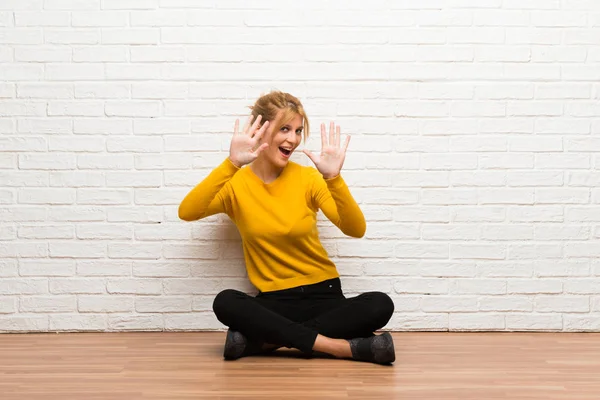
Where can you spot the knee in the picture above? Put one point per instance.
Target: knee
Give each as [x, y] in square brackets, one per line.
[223, 303]
[382, 307]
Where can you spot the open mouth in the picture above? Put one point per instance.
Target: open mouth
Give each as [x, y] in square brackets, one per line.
[285, 152]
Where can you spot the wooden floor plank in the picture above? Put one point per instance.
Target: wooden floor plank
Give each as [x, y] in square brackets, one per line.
[189, 365]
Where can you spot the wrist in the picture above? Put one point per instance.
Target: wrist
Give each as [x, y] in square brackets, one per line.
[235, 163]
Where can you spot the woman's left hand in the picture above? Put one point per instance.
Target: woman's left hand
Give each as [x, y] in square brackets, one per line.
[330, 161]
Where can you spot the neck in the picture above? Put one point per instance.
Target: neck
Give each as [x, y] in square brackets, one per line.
[266, 171]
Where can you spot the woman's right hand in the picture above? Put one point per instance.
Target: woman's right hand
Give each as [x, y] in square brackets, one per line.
[243, 149]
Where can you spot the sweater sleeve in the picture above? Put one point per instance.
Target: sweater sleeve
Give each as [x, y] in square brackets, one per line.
[211, 196]
[333, 197]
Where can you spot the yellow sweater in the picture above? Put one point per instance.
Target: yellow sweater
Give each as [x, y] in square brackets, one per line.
[278, 221]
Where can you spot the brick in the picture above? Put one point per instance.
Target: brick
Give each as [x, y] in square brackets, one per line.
[23, 249]
[7, 161]
[22, 213]
[502, 269]
[8, 268]
[562, 268]
[163, 269]
[422, 286]
[163, 304]
[131, 36]
[562, 126]
[478, 286]
[162, 196]
[99, 19]
[8, 305]
[450, 304]
[76, 179]
[72, 4]
[71, 36]
[45, 126]
[77, 286]
[192, 321]
[46, 232]
[105, 161]
[46, 268]
[476, 322]
[581, 323]
[159, 91]
[449, 196]
[533, 322]
[133, 179]
[535, 178]
[134, 144]
[163, 161]
[77, 323]
[419, 322]
[103, 268]
[42, 19]
[114, 126]
[105, 304]
[535, 214]
[478, 178]
[104, 231]
[157, 54]
[134, 250]
[47, 161]
[536, 144]
[42, 54]
[24, 323]
[20, 72]
[47, 304]
[104, 90]
[76, 108]
[79, 249]
[506, 304]
[562, 161]
[21, 286]
[158, 18]
[562, 196]
[562, 303]
[103, 196]
[22, 108]
[505, 232]
[167, 232]
[105, 54]
[135, 286]
[142, 214]
[136, 323]
[76, 213]
[132, 109]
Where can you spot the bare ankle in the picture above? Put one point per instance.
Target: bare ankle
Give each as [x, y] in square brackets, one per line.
[339, 348]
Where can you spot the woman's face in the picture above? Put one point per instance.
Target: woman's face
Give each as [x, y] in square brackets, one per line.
[283, 142]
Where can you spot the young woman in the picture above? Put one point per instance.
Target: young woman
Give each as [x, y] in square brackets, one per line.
[274, 202]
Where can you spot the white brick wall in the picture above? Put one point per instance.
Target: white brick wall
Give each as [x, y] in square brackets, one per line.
[474, 155]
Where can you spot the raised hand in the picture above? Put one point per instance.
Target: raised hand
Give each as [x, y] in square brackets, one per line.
[330, 161]
[243, 149]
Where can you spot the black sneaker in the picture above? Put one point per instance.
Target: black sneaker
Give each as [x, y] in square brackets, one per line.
[378, 349]
[237, 345]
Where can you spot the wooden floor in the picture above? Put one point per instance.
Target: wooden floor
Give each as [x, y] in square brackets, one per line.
[190, 366]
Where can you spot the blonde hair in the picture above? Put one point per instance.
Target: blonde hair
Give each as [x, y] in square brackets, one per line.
[269, 106]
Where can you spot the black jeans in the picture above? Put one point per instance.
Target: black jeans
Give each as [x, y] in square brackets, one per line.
[293, 317]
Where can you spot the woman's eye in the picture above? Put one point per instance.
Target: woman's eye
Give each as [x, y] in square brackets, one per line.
[284, 129]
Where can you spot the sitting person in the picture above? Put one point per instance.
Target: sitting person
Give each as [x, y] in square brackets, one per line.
[274, 203]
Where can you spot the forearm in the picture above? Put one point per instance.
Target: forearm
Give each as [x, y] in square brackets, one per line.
[200, 201]
[350, 218]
